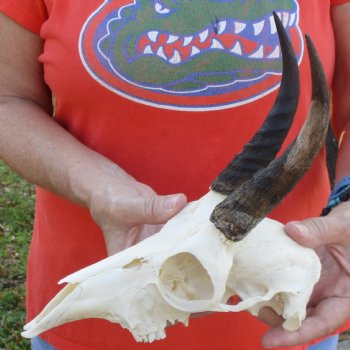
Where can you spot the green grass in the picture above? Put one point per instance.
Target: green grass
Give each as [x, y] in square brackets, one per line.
[16, 219]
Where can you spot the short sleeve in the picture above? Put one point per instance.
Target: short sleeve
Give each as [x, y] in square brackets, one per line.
[31, 14]
[338, 2]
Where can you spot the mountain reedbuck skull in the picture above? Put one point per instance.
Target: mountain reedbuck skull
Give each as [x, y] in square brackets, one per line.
[219, 246]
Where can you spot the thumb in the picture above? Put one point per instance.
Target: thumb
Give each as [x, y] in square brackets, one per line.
[314, 232]
[159, 209]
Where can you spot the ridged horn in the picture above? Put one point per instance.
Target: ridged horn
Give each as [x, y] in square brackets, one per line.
[267, 141]
[243, 209]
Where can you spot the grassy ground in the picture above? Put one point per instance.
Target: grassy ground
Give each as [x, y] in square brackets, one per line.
[16, 217]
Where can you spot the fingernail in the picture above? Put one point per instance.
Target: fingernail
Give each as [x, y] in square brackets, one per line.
[170, 202]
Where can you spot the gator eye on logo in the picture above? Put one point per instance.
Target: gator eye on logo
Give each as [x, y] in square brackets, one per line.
[188, 54]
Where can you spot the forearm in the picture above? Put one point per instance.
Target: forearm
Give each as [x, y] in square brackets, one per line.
[341, 87]
[39, 149]
[343, 160]
[43, 152]
[31, 142]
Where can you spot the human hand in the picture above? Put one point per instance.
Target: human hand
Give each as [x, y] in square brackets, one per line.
[329, 306]
[128, 211]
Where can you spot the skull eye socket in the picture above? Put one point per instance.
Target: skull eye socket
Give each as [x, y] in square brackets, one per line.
[183, 278]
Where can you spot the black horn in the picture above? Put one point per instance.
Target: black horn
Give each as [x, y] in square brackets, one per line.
[243, 209]
[267, 141]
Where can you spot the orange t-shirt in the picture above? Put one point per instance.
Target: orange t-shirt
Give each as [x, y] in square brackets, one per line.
[170, 91]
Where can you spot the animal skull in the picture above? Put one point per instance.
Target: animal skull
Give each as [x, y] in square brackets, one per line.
[172, 274]
[199, 259]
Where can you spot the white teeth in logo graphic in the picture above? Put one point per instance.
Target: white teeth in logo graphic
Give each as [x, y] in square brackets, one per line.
[174, 54]
[215, 39]
[273, 26]
[216, 44]
[275, 53]
[148, 50]
[176, 59]
[259, 53]
[221, 26]
[203, 36]
[187, 40]
[160, 53]
[237, 49]
[195, 51]
[172, 39]
[227, 27]
[288, 20]
[239, 27]
[258, 27]
[153, 35]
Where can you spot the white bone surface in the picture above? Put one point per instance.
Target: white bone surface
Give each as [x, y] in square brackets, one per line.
[188, 267]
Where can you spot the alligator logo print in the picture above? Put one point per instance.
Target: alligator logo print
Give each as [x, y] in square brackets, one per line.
[188, 54]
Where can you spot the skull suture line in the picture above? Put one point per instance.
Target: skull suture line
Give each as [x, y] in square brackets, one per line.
[172, 274]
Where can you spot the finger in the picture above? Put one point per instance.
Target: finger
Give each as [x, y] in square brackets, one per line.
[116, 241]
[315, 232]
[328, 316]
[158, 209]
[268, 316]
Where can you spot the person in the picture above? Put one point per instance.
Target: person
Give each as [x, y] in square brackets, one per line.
[151, 100]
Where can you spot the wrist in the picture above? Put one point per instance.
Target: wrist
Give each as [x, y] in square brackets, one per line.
[92, 175]
[340, 194]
